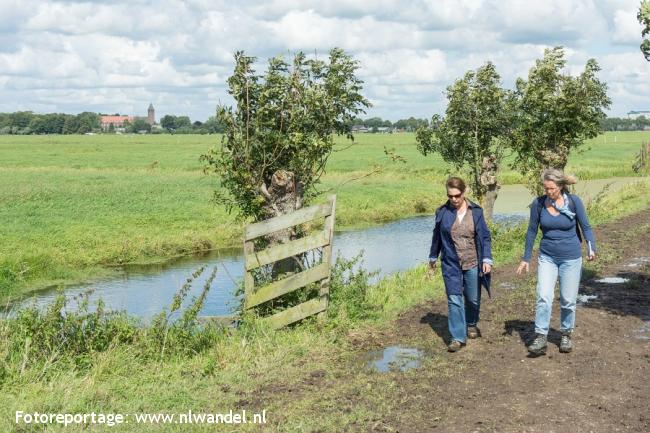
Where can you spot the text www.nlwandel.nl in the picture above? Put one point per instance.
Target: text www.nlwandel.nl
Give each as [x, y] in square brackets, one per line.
[113, 419]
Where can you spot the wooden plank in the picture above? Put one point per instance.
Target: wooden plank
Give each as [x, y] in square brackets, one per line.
[286, 285]
[226, 321]
[282, 222]
[327, 251]
[249, 282]
[329, 220]
[324, 291]
[296, 313]
[282, 251]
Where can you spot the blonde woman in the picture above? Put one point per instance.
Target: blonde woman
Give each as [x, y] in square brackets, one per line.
[560, 216]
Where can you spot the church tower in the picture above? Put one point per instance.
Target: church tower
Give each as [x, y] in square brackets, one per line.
[151, 115]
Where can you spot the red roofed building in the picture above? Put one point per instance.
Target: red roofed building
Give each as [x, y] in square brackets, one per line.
[119, 121]
[116, 121]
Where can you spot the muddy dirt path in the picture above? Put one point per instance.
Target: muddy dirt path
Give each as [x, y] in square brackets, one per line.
[493, 385]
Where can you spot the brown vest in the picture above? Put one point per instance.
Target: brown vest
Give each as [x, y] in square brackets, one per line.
[463, 236]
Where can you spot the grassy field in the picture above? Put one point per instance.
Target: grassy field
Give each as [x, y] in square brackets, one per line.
[73, 206]
[298, 375]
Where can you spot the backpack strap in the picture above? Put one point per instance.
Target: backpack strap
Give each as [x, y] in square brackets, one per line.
[540, 206]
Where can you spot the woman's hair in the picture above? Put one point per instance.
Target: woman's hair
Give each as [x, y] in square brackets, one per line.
[561, 180]
[456, 182]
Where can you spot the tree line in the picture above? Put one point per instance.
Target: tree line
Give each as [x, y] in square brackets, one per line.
[373, 123]
[625, 124]
[27, 122]
[30, 123]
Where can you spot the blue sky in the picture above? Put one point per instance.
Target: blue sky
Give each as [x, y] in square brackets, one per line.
[117, 56]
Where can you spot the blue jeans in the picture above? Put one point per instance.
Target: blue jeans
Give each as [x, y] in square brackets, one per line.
[548, 270]
[464, 309]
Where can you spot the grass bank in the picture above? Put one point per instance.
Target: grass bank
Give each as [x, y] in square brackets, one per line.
[74, 206]
[296, 375]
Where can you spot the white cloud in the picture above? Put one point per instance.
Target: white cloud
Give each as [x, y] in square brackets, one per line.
[304, 30]
[404, 66]
[627, 29]
[114, 56]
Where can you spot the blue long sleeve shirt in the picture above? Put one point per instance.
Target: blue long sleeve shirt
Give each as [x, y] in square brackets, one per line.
[559, 236]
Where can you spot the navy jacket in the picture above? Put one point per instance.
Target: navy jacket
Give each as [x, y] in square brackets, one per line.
[442, 244]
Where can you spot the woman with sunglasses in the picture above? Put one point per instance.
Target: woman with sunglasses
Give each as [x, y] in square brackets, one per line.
[462, 239]
[557, 214]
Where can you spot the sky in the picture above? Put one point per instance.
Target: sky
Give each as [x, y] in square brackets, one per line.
[115, 56]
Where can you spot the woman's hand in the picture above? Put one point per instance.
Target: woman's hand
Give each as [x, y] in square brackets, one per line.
[431, 269]
[591, 256]
[487, 268]
[523, 266]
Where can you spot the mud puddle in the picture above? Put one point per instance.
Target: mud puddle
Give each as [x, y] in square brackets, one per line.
[394, 358]
[638, 261]
[584, 299]
[612, 280]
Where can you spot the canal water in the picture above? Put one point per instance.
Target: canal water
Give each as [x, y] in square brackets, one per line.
[146, 290]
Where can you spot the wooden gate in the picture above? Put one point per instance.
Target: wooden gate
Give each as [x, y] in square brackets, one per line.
[319, 273]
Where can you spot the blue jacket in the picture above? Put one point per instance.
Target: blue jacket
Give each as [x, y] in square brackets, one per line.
[442, 244]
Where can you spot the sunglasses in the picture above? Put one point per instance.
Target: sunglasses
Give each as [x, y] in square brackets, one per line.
[454, 195]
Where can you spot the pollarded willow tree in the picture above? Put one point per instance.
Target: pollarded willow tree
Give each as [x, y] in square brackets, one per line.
[281, 131]
[556, 113]
[644, 18]
[470, 136]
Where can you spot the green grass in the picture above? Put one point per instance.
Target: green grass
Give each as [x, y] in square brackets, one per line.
[309, 378]
[72, 206]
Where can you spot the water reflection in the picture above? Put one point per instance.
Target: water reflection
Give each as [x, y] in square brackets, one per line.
[394, 358]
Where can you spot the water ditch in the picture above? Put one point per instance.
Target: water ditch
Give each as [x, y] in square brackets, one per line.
[146, 290]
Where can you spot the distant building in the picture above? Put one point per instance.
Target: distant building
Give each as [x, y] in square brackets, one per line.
[116, 121]
[635, 114]
[151, 115]
[119, 121]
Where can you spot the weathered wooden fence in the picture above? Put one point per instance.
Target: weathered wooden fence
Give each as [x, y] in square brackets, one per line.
[642, 160]
[317, 274]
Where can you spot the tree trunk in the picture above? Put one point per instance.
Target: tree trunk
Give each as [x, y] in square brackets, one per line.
[489, 182]
[283, 196]
[490, 198]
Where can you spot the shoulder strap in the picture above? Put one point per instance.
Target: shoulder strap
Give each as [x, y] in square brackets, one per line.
[572, 208]
[540, 206]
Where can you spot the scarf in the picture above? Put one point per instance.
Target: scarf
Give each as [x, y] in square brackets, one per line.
[564, 209]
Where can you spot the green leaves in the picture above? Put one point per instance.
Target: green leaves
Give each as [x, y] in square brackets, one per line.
[476, 116]
[644, 18]
[283, 120]
[555, 113]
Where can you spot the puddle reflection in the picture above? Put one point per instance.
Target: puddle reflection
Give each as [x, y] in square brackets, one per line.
[394, 358]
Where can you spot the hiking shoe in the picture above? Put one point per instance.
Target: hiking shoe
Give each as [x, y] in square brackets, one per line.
[566, 345]
[454, 346]
[538, 346]
[473, 332]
